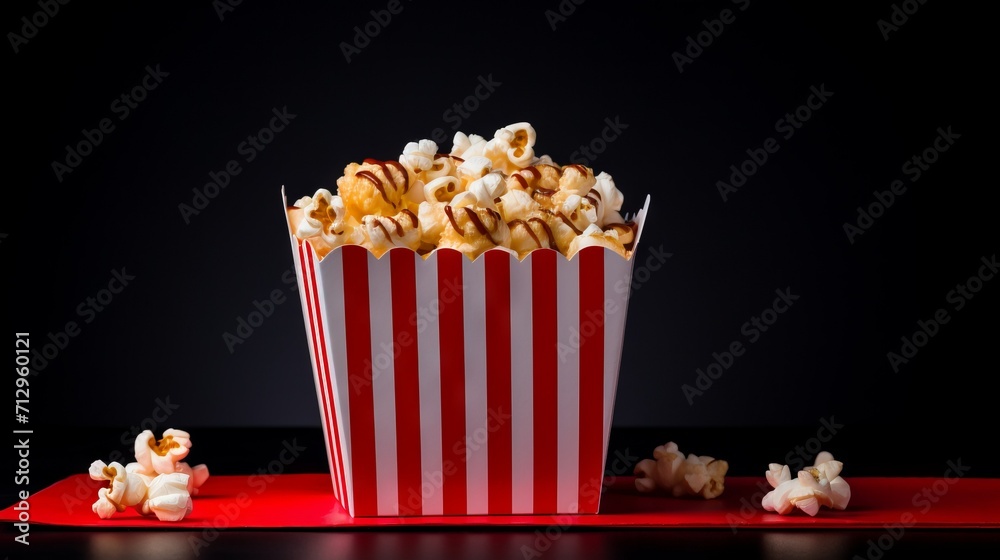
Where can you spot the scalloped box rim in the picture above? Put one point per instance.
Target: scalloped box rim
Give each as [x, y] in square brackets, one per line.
[639, 218]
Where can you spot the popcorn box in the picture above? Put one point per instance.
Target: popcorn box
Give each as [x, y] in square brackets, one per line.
[455, 387]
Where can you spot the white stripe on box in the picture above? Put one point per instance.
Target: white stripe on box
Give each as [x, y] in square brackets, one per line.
[617, 276]
[568, 313]
[330, 276]
[428, 314]
[476, 433]
[521, 388]
[383, 383]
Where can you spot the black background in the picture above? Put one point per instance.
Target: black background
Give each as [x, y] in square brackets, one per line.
[825, 357]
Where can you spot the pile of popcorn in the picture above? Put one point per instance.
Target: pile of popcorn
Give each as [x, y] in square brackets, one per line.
[157, 483]
[670, 471]
[815, 486]
[483, 194]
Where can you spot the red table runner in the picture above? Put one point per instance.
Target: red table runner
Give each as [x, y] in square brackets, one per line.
[306, 501]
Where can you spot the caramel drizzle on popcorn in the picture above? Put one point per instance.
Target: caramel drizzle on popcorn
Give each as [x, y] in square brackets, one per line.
[322, 215]
[474, 218]
[549, 238]
[595, 202]
[543, 192]
[378, 184]
[514, 223]
[618, 227]
[565, 220]
[548, 230]
[395, 223]
[163, 446]
[111, 473]
[385, 170]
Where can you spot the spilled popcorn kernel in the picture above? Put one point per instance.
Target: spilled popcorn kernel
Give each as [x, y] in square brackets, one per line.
[671, 472]
[817, 486]
[157, 483]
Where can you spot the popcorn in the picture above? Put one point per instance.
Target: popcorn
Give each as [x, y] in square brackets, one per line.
[373, 187]
[164, 457]
[323, 220]
[473, 229]
[168, 498]
[485, 193]
[517, 142]
[607, 199]
[157, 457]
[157, 483]
[418, 157]
[382, 233]
[125, 489]
[462, 143]
[528, 235]
[671, 472]
[815, 486]
[593, 236]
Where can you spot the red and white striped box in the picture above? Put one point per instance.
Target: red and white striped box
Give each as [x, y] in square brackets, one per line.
[455, 387]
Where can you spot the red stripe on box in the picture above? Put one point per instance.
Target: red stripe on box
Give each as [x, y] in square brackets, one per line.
[498, 374]
[306, 279]
[332, 417]
[545, 364]
[592, 322]
[407, 382]
[359, 367]
[452, 344]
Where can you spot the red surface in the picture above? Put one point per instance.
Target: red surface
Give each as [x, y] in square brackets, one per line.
[306, 501]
